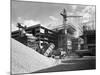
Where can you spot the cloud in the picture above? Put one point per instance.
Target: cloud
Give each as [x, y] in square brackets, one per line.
[30, 22]
[13, 27]
[74, 7]
[88, 13]
[86, 17]
[27, 22]
[52, 22]
[89, 9]
[20, 19]
[89, 17]
[53, 18]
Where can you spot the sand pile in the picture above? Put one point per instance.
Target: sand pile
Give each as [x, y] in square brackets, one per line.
[26, 60]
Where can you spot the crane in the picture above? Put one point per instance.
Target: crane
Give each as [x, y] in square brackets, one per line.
[65, 16]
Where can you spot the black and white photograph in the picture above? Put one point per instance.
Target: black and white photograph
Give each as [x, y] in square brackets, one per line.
[52, 37]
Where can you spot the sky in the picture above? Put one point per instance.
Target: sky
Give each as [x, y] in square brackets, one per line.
[48, 14]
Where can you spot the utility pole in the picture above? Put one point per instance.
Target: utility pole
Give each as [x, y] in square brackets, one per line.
[64, 15]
